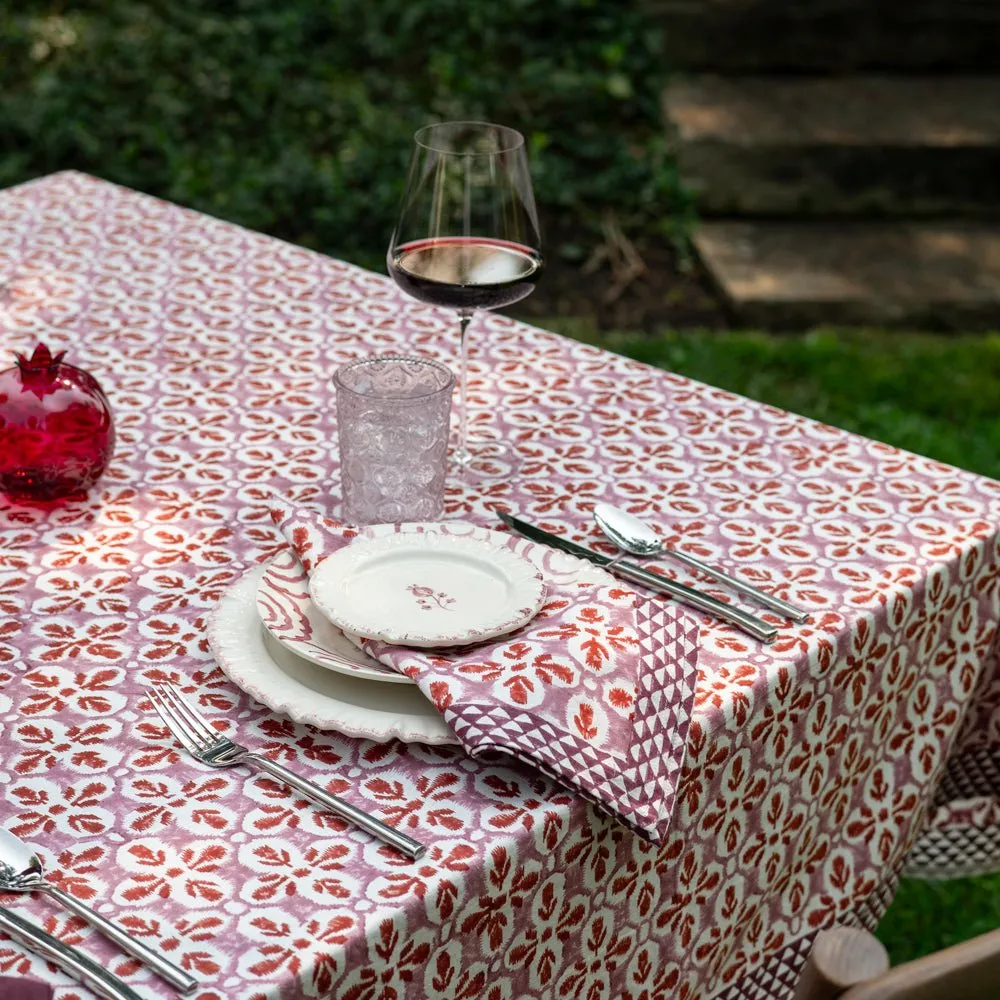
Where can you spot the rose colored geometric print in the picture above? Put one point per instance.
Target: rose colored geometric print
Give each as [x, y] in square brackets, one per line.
[811, 764]
[595, 691]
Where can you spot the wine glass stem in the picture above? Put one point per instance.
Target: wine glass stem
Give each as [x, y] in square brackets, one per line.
[464, 318]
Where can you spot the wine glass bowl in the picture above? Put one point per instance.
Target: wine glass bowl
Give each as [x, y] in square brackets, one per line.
[467, 238]
[466, 273]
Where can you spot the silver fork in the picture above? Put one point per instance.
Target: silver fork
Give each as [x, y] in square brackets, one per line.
[208, 745]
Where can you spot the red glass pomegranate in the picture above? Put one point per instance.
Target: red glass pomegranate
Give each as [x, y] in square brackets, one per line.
[56, 429]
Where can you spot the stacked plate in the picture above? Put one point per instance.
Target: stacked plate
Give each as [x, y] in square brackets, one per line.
[293, 642]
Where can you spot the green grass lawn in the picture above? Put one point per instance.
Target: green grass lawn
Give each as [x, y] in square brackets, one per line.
[936, 395]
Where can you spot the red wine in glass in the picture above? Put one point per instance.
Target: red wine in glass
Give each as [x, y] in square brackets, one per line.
[466, 272]
[467, 238]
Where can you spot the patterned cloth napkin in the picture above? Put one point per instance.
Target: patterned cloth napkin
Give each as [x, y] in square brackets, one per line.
[596, 691]
[23, 989]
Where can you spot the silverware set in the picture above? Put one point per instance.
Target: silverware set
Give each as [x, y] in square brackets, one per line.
[21, 868]
[632, 535]
[21, 871]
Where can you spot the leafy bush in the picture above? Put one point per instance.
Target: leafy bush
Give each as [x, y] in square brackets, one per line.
[296, 118]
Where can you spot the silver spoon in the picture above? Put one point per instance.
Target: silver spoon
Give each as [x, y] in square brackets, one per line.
[21, 871]
[633, 535]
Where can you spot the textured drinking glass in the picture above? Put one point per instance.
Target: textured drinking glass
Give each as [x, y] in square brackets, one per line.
[393, 416]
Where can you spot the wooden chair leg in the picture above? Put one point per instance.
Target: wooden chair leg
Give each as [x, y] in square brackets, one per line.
[840, 958]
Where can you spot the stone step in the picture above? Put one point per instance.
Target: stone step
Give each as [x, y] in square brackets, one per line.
[786, 275]
[754, 36]
[853, 145]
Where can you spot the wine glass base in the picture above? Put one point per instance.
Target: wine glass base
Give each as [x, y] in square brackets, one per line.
[486, 461]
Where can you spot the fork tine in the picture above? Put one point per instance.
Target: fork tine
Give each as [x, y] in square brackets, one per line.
[175, 725]
[181, 711]
[203, 731]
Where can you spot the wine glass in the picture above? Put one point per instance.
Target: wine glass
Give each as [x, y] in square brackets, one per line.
[467, 238]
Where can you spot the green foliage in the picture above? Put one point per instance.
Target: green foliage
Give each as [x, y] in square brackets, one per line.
[929, 916]
[296, 118]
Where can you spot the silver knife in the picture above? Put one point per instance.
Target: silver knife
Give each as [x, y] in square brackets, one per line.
[748, 623]
[74, 963]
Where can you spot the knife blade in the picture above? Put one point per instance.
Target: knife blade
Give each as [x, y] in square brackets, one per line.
[756, 627]
[74, 963]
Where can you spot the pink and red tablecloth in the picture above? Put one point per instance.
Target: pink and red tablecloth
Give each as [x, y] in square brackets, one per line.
[812, 764]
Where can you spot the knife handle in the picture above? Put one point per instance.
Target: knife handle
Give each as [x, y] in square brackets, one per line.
[748, 623]
[181, 981]
[74, 963]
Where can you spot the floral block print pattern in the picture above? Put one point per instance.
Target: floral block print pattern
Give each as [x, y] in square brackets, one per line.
[595, 690]
[810, 764]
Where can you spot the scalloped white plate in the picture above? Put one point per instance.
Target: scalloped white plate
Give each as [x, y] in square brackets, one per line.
[309, 693]
[290, 616]
[427, 589]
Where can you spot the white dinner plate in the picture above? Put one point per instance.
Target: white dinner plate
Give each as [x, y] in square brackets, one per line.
[289, 614]
[307, 692]
[427, 588]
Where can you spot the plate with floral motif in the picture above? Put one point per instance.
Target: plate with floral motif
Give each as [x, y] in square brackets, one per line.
[250, 656]
[427, 589]
[289, 614]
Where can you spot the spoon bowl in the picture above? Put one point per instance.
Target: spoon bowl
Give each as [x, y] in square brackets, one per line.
[20, 867]
[628, 532]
